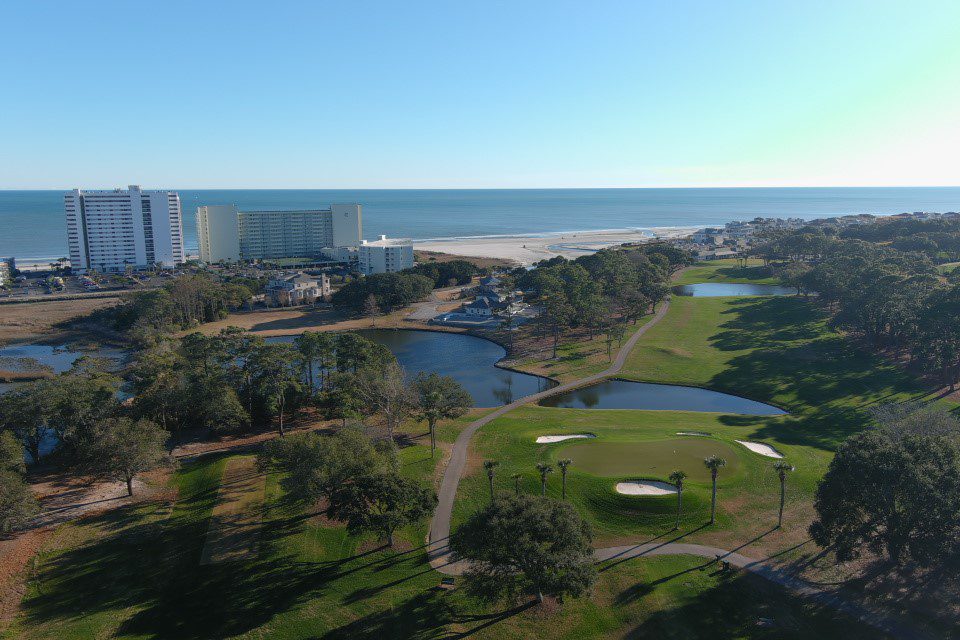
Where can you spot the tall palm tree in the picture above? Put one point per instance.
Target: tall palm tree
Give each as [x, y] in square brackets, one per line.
[782, 467]
[714, 463]
[676, 478]
[544, 469]
[490, 466]
[563, 464]
[517, 477]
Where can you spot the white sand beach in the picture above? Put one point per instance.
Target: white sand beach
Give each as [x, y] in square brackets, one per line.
[529, 249]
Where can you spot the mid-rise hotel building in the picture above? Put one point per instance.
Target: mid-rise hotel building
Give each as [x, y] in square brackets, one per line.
[228, 235]
[384, 256]
[115, 229]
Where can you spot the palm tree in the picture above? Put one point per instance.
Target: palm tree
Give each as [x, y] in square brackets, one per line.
[490, 465]
[782, 467]
[677, 479]
[516, 481]
[714, 463]
[563, 464]
[544, 469]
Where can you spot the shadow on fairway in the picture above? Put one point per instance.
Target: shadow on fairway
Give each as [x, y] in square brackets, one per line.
[821, 378]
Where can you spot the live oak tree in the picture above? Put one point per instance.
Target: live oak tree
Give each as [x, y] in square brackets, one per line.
[439, 398]
[315, 465]
[522, 544]
[24, 412]
[17, 504]
[11, 453]
[893, 496]
[123, 448]
[382, 503]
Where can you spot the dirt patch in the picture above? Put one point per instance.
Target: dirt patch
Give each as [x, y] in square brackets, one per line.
[37, 320]
[483, 263]
[15, 556]
[237, 518]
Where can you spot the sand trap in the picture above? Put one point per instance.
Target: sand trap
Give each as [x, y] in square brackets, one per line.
[646, 488]
[694, 433]
[762, 449]
[549, 439]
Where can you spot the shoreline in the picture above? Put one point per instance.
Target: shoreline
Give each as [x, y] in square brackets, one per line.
[529, 248]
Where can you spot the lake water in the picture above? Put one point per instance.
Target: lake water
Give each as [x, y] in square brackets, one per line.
[34, 228]
[623, 394]
[57, 358]
[719, 289]
[467, 359]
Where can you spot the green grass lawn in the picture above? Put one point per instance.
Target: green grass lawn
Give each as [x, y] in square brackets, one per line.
[641, 444]
[772, 349]
[134, 573]
[728, 270]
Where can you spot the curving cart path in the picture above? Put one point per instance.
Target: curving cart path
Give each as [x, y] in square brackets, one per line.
[439, 555]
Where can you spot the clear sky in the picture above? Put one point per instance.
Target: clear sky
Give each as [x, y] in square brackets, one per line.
[458, 93]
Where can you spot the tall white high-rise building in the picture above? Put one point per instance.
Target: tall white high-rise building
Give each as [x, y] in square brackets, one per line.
[114, 229]
[218, 232]
[229, 235]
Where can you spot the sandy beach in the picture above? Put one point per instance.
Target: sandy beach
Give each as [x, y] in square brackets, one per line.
[529, 249]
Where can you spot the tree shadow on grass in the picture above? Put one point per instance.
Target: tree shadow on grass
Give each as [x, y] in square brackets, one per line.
[823, 379]
[153, 568]
[744, 606]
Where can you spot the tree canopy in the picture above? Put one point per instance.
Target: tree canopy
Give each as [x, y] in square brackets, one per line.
[523, 544]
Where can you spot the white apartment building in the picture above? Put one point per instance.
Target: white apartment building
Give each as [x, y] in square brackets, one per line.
[111, 230]
[385, 256]
[228, 234]
[218, 233]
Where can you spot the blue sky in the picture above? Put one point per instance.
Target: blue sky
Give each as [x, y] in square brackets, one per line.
[479, 94]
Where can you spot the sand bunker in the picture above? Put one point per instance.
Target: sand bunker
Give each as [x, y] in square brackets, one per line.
[694, 433]
[646, 488]
[762, 449]
[549, 439]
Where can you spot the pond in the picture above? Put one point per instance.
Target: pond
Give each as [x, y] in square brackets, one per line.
[623, 394]
[718, 289]
[467, 359]
[45, 357]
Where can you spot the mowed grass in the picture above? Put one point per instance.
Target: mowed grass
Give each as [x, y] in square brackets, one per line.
[135, 573]
[651, 458]
[748, 487]
[576, 358]
[778, 350]
[728, 270]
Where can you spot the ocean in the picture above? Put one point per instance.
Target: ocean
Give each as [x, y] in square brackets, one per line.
[32, 222]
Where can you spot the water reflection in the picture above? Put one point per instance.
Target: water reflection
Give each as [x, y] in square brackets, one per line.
[467, 359]
[622, 394]
[718, 289]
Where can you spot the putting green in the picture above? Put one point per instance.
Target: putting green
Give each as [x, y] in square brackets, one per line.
[653, 458]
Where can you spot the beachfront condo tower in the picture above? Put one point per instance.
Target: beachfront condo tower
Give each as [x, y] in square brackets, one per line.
[228, 235]
[114, 230]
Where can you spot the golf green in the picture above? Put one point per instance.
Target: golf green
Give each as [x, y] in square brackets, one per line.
[652, 458]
